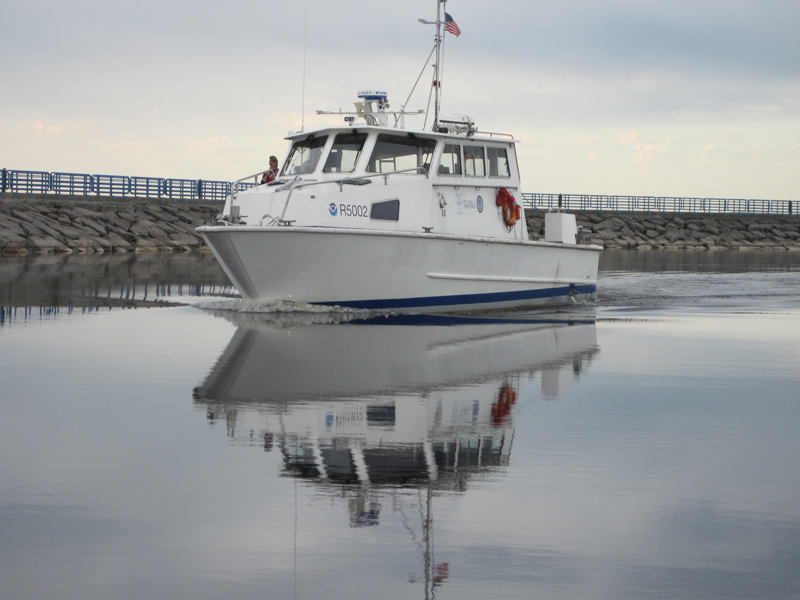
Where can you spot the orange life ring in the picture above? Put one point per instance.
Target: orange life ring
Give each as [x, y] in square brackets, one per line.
[509, 215]
[511, 210]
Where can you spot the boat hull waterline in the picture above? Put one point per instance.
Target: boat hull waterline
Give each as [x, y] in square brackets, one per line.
[401, 271]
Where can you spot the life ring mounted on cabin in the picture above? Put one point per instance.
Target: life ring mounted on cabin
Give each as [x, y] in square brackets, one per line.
[512, 212]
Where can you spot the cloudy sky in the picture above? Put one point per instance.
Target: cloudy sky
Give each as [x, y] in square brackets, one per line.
[697, 98]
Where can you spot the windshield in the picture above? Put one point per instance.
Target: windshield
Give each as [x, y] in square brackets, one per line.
[345, 152]
[398, 152]
[304, 156]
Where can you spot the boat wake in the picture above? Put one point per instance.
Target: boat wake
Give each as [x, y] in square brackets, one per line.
[284, 312]
[277, 306]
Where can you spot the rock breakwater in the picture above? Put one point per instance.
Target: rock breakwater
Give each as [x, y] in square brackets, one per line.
[51, 226]
[645, 231]
[66, 226]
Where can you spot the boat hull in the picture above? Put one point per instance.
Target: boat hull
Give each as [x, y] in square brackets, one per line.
[402, 272]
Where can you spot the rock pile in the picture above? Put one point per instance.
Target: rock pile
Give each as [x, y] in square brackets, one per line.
[69, 226]
[701, 232]
[56, 226]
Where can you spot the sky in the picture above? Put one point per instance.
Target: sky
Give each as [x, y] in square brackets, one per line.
[629, 97]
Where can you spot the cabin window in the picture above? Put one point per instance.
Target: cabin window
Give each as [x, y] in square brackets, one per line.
[474, 164]
[345, 152]
[388, 210]
[498, 162]
[304, 156]
[398, 153]
[450, 163]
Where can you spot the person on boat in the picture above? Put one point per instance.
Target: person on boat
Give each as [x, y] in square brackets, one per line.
[271, 173]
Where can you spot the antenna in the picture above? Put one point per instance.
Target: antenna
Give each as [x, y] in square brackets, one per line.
[303, 108]
[425, 66]
[441, 73]
[437, 83]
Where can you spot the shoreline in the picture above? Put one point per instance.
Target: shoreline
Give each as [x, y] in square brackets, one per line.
[95, 226]
[45, 226]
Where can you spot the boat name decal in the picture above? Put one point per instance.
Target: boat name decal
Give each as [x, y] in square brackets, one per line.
[464, 204]
[352, 210]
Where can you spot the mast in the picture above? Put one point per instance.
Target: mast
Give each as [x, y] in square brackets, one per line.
[437, 48]
[437, 82]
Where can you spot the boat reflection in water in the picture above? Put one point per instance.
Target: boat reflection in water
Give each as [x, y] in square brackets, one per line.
[390, 409]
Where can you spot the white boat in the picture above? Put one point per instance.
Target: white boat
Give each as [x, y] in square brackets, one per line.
[371, 215]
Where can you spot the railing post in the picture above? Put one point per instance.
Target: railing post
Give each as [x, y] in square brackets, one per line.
[4, 181]
[199, 190]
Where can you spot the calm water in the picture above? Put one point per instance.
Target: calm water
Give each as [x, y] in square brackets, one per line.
[646, 447]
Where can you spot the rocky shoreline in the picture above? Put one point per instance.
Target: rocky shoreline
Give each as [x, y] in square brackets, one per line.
[66, 226]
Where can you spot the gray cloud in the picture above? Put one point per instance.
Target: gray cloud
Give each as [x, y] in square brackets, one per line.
[154, 75]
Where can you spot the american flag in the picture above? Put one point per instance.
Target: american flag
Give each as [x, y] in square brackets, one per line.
[450, 25]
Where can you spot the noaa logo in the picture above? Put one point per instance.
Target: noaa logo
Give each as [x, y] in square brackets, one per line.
[332, 209]
[480, 204]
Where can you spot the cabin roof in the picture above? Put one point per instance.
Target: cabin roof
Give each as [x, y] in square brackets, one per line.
[498, 138]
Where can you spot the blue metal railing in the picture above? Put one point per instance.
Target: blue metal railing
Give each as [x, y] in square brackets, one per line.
[213, 190]
[181, 189]
[122, 187]
[27, 182]
[113, 186]
[71, 184]
[662, 204]
[147, 187]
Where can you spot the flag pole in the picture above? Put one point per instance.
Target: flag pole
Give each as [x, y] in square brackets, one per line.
[437, 83]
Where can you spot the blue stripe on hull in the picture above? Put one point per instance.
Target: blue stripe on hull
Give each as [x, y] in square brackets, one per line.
[453, 320]
[463, 299]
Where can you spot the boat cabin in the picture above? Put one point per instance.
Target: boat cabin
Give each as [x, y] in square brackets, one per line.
[382, 178]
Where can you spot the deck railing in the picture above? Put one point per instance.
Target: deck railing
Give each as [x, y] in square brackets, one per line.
[121, 187]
